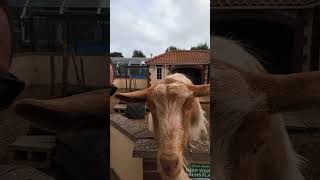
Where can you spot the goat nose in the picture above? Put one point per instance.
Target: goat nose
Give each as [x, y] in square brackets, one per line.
[169, 164]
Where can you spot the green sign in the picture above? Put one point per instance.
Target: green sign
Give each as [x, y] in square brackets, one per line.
[198, 171]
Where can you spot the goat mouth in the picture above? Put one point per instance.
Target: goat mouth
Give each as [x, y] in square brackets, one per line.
[172, 175]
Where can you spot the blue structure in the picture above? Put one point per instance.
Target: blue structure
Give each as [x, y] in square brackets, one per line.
[56, 25]
[133, 68]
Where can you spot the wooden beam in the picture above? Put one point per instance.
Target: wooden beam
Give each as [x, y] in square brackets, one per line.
[275, 16]
[65, 70]
[297, 51]
[315, 46]
[53, 75]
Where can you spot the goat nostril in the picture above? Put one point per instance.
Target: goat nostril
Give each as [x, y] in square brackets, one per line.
[176, 163]
[168, 169]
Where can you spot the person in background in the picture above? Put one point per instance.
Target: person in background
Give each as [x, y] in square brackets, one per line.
[5, 38]
[10, 86]
[111, 75]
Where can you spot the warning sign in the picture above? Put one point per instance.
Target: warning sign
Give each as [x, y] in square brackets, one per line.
[198, 171]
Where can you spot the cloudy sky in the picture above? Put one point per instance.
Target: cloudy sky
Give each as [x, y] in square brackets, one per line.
[153, 25]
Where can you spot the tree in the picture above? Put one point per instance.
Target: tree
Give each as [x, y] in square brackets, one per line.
[171, 48]
[138, 53]
[200, 46]
[116, 54]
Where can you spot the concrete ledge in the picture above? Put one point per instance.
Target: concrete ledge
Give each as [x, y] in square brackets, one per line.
[133, 128]
[145, 146]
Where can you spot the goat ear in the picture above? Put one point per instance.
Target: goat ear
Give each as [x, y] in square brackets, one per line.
[135, 96]
[288, 93]
[200, 90]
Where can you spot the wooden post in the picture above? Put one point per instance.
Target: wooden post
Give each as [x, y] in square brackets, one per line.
[73, 58]
[297, 52]
[315, 47]
[65, 68]
[148, 78]
[203, 74]
[82, 72]
[53, 75]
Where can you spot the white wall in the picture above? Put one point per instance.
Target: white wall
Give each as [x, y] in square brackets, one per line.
[153, 74]
[122, 162]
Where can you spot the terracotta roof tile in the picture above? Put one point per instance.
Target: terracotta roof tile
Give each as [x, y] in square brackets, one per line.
[181, 57]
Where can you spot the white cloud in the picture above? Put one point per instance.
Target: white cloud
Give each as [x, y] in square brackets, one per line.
[153, 25]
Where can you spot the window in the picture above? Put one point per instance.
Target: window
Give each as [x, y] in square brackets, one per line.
[159, 73]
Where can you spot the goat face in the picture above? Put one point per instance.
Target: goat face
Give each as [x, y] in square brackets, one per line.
[247, 132]
[171, 108]
[249, 139]
[233, 100]
[174, 110]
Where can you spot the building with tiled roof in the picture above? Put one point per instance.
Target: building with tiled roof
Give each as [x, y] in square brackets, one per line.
[284, 32]
[181, 57]
[264, 3]
[193, 63]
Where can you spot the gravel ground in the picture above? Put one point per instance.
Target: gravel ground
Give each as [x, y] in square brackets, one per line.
[307, 144]
[13, 126]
